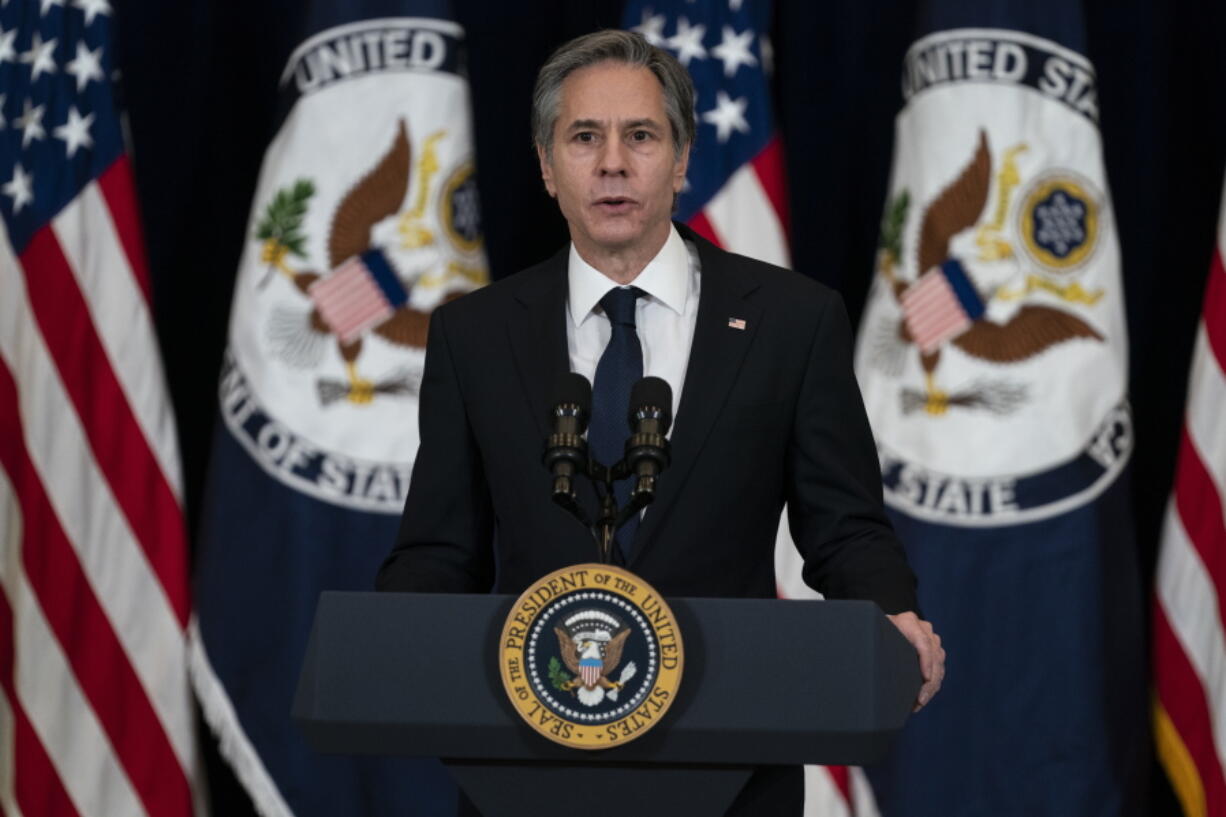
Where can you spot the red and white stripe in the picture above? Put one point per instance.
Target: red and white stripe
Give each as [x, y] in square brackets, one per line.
[749, 216]
[350, 300]
[1189, 638]
[932, 311]
[95, 708]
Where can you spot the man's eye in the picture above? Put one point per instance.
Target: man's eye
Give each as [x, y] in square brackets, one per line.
[585, 136]
[640, 135]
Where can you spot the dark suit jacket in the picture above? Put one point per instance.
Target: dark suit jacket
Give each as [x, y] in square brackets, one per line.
[768, 413]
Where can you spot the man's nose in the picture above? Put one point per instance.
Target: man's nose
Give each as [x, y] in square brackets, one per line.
[613, 158]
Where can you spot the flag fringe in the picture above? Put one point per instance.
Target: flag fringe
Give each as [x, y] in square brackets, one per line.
[232, 742]
[1177, 762]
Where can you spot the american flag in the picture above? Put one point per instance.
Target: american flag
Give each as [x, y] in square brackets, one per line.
[95, 714]
[735, 196]
[1189, 620]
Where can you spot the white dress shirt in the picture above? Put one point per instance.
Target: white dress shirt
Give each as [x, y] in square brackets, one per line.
[664, 317]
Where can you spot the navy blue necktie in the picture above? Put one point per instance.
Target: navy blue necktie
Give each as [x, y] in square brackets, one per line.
[620, 367]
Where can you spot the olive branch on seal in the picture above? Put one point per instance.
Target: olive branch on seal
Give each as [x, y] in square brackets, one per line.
[557, 677]
[281, 227]
[892, 226]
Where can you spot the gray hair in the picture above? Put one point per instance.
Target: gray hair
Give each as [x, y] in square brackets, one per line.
[619, 46]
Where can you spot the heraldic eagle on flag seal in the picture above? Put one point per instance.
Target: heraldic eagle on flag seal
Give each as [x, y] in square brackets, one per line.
[943, 305]
[365, 291]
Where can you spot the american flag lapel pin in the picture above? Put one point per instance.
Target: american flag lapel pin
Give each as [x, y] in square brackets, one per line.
[736, 323]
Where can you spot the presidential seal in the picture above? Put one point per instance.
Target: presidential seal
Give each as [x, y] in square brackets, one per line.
[591, 656]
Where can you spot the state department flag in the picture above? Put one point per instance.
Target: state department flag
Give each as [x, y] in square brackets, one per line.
[365, 218]
[993, 361]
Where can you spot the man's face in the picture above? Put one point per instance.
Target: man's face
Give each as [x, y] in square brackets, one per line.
[613, 168]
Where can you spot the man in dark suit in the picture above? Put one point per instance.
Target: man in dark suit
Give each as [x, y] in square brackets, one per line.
[759, 358]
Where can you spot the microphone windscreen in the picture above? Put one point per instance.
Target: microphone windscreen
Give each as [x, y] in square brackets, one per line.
[573, 387]
[653, 393]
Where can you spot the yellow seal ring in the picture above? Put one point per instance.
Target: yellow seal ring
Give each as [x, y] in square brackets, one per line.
[1071, 189]
[462, 176]
[591, 610]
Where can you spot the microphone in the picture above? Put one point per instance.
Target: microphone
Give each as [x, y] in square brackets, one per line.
[651, 414]
[566, 449]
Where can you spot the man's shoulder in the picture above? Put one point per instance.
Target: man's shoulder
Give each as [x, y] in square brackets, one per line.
[493, 299]
[771, 285]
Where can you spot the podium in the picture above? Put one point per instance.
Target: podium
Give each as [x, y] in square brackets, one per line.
[766, 682]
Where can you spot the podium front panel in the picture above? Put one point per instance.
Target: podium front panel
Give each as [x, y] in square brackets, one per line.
[765, 682]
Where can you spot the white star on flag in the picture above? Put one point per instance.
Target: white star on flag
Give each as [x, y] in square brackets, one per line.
[45, 5]
[727, 115]
[7, 52]
[92, 8]
[687, 42]
[20, 188]
[734, 50]
[652, 28]
[767, 50]
[40, 56]
[31, 124]
[75, 132]
[85, 66]
[734, 5]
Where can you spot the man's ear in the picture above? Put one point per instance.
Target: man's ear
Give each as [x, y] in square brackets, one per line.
[680, 168]
[546, 171]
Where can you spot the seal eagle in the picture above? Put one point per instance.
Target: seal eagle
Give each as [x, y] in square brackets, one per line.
[592, 665]
[1031, 330]
[378, 195]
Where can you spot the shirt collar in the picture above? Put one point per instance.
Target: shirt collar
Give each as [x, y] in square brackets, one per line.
[665, 278]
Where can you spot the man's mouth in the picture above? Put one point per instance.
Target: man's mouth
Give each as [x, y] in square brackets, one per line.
[614, 204]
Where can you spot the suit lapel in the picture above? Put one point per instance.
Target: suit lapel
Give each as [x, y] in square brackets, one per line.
[716, 354]
[538, 335]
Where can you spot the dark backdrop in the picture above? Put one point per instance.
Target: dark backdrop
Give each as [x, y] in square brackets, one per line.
[200, 92]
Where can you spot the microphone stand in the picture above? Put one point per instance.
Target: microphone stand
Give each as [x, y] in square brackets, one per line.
[606, 527]
[612, 518]
[566, 455]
